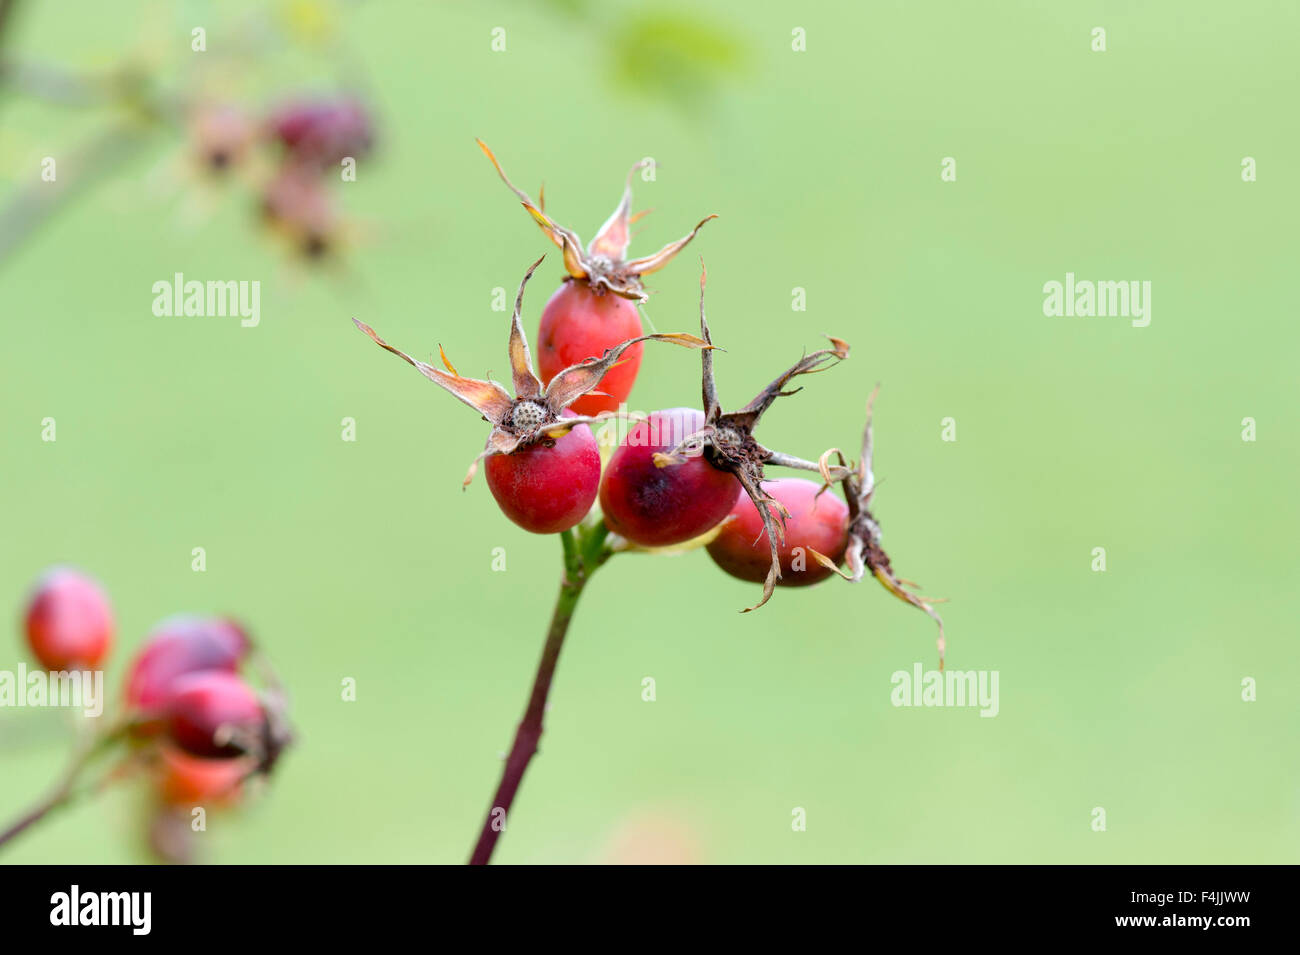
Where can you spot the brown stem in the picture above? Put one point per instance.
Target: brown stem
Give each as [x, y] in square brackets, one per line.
[65, 791]
[581, 558]
[32, 207]
[53, 801]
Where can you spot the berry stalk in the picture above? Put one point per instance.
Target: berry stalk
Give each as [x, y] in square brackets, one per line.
[584, 552]
[66, 792]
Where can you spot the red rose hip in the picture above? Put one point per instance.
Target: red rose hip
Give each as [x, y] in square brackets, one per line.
[815, 523]
[186, 780]
[69, 622]
[178, 647]
[214, 715]
[581, 322]
[323, 132]
[296, 204]
[595, 308]
[657, 506]
[547, 489]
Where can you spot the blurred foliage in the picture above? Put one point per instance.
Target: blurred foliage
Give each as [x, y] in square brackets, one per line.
[677, 55]
[672, 54]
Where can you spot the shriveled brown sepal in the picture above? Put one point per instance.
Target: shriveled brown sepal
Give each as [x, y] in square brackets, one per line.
[581, 379]
[864, 555]
[486, 397]
[653, 263]
[604, 264]
[613, 237]
[729, 444]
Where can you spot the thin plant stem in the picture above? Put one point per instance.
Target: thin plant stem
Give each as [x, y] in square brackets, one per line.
[583, 554]
[66, 791]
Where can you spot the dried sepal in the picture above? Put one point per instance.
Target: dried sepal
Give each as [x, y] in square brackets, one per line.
[765, 504]
[613, 237]
[523, 196]
[729, 444]
[830, 473]
[574, 263]
[809, 364]
[603, 264]
[567, 423]
[554, 232]
[863, 553]
[527, 384]
[499, 442]
[653, 263]
[581, 379]
[708, 388]
[691, 446]
[446, 362]
[486, 397]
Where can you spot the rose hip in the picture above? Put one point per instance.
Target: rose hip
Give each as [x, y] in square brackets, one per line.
[727, 438]
[580, 323]
[544, 489]
[180, 646]
[214, 714]
[655, 506]
[186, 780]
[296, 204]
[813, 521]
[323, 132]
[595, 308]
[69, 622]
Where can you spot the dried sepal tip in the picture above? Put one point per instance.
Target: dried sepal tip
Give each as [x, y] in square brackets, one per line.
[604, 262]
[864, 554]
[728, 439]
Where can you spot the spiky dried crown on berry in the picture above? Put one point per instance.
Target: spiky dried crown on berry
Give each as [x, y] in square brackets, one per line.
[533, 415]
[727, 439]
[864, 554]
[603, 265]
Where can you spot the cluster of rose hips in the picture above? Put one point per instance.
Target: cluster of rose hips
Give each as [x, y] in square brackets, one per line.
[678, 475]
[306, 142]
[189, 720]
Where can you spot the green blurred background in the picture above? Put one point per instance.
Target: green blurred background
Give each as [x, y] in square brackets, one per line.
[365, 560]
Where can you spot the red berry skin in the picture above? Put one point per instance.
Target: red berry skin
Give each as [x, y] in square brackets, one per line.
[187, 780]
[296, 202]
[323, 132]
[654, 506]
[818, 523]
[69, 622]
[180, 646]
[547, 489]
[202, 704]
[580, 323]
